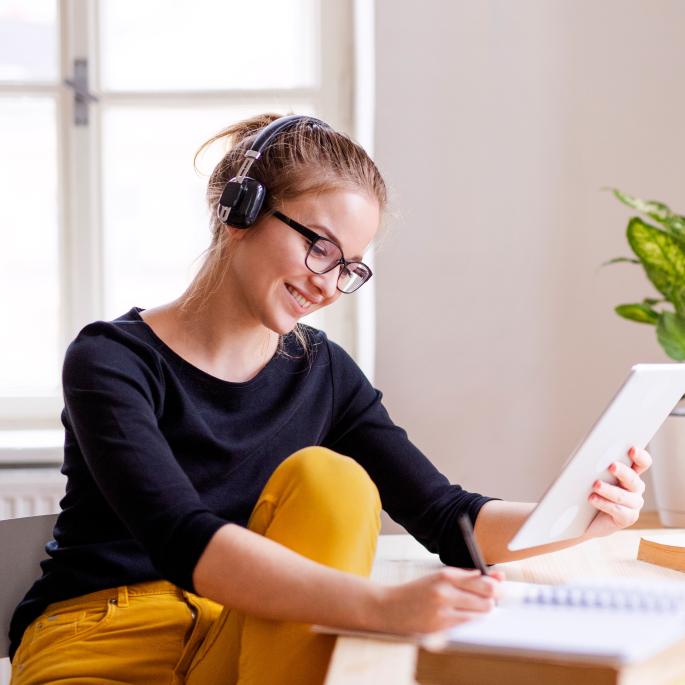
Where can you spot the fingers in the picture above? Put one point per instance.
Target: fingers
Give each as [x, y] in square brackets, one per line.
[622, 502]
[456, 616]
[468, 590]
[480, 584]
[627, 477]
[641, 459]
[620, 495]
[472, 580]
[621, 515]
[467, 601]
[492, 583]
[437, 601]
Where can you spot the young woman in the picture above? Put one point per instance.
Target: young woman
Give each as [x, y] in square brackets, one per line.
[226, 466]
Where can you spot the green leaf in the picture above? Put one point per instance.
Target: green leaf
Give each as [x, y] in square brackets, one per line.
[661, 213]
[670, 332]
[657, 210]
[641, 313]
[652, 301]
[675, 225]
[618, 260]
[663, 258]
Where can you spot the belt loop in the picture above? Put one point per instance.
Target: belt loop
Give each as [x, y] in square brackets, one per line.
[122, 596]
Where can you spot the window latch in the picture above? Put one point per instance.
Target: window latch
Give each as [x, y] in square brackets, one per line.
[82, 96]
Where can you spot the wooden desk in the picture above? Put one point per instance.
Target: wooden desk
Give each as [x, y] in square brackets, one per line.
[358, 661]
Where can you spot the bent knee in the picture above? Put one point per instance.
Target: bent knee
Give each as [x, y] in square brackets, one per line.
[330, 472]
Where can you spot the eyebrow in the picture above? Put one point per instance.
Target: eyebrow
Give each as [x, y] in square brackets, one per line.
[331, 236]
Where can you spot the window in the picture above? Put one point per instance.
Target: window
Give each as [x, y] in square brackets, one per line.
[103, 208]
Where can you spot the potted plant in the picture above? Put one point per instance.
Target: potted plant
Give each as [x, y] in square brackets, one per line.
[657, 239]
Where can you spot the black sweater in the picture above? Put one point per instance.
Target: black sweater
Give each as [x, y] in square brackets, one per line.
[158, 455]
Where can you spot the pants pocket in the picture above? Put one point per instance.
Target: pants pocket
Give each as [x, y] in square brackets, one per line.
[58, 626]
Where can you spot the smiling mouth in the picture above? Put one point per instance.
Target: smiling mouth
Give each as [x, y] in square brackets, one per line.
[299, 298]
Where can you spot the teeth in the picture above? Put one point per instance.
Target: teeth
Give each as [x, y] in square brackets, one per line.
[303, 302]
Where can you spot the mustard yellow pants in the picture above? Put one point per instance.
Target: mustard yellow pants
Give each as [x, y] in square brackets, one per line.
[318, 503]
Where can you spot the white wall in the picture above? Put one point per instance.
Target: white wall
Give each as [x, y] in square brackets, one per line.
[497, 124]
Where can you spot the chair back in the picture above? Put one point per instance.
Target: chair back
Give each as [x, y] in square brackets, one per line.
[22, 548]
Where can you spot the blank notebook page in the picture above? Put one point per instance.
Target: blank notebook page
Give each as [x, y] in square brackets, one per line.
[612, 622]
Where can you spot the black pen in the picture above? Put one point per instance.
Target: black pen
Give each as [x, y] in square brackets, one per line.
[474, 550]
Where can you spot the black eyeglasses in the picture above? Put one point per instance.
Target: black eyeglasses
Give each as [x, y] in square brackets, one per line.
[324, 255]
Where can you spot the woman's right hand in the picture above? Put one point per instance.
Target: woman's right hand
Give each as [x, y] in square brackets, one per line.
[437, 601]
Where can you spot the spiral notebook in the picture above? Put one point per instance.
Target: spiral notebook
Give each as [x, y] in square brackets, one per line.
[612, 622]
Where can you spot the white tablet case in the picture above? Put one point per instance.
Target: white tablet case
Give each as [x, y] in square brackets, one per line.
[636, 413]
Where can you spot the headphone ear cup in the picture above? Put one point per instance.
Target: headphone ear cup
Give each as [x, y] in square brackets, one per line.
[240, 203]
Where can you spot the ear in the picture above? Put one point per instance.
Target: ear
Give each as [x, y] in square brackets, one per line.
[236, 234]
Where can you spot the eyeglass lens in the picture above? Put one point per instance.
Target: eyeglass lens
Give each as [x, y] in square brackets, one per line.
[324, 255]
[353, 276]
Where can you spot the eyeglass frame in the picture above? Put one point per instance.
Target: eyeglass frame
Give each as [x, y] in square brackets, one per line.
[313, 238]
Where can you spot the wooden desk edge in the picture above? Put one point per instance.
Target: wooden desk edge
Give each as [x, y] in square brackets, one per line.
[367, 661]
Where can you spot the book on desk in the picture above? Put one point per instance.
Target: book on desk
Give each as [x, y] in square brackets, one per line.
[663, 549]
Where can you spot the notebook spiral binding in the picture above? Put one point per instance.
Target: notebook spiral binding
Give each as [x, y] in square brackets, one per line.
[621, 599]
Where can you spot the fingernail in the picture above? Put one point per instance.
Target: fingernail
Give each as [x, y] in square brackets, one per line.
[631, 451]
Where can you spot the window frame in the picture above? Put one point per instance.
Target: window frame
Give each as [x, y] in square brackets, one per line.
[80, 172]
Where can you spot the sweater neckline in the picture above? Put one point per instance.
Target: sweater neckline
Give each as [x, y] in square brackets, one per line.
[262, 375]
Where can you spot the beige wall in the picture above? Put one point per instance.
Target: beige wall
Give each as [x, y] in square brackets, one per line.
[497, 124]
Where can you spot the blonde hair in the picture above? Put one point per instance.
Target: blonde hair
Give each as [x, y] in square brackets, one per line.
[300, 160]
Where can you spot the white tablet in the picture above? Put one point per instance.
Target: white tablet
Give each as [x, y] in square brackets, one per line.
[632, 418]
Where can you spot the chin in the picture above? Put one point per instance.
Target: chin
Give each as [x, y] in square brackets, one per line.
[282, 327]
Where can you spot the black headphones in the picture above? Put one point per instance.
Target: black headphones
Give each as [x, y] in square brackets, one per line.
[242, 199]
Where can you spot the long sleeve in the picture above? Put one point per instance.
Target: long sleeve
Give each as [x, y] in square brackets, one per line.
[413, 492]
[112, 403]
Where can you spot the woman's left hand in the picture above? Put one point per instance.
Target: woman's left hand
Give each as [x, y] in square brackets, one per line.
[619, 505]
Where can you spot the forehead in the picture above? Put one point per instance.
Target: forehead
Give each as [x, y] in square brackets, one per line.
[350, 218]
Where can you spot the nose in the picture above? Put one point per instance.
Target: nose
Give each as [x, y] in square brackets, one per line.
[327, 283]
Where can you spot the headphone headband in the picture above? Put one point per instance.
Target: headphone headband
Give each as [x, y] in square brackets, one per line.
[267, 134]
[275, 127]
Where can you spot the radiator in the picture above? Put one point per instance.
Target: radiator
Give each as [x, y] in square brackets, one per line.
[30, 492]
